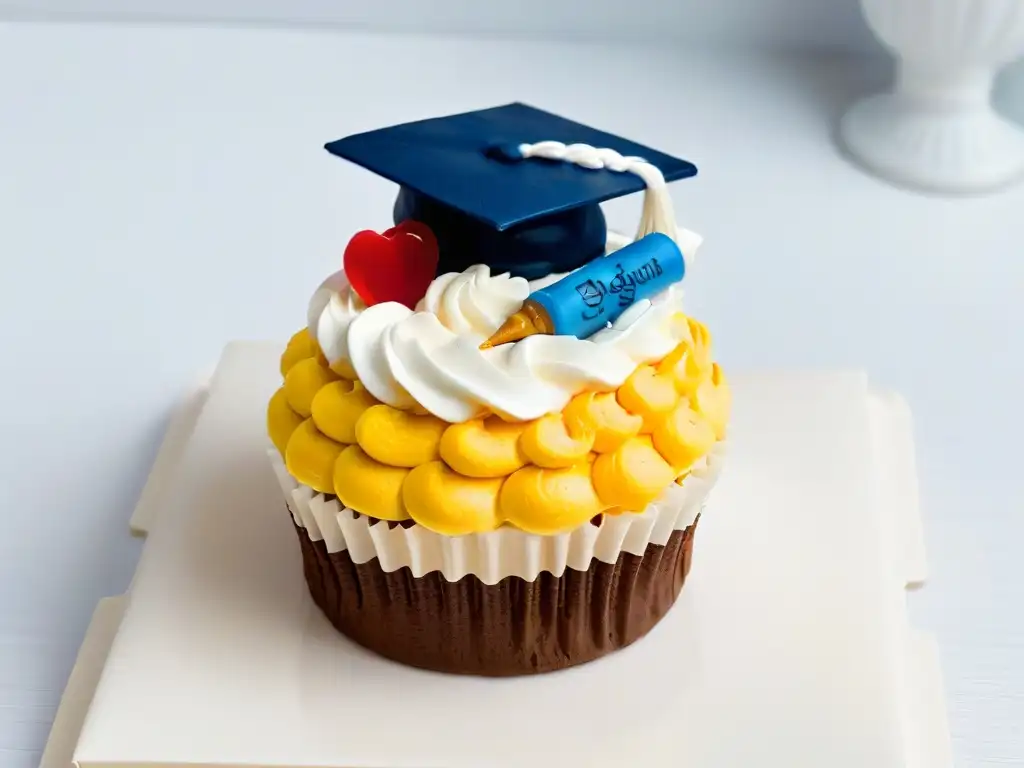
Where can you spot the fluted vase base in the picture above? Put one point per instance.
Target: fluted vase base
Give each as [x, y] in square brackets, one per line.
[930, 148]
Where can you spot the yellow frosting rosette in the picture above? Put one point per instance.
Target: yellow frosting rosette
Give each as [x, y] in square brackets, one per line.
[605, 452]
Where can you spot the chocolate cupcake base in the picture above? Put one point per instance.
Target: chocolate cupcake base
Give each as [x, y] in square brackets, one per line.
[514, 627]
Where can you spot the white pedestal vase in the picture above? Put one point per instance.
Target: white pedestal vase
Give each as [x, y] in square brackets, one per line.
[937, 129]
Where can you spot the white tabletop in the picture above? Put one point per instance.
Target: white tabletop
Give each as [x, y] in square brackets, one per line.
[164, 190]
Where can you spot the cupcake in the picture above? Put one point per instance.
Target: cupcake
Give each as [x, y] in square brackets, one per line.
[498, 429]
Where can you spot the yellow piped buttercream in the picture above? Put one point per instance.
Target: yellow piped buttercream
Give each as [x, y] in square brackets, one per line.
[339, 406]
[282, 421]
[606, 452]
[600, 412]
[633, 475]
[713, 401]
[548, 441]
[700, 338]
[365, 485]
[449, 503]
[300, 347]
[399, 438]
[681, 366]
[549, 501]
[343, 368]
[650, 395]
[304, 380]
[683, 437]
[310, 457]
[483, 447]
[690, 362]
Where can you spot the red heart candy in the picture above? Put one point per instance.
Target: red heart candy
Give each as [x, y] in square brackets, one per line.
[396, 265]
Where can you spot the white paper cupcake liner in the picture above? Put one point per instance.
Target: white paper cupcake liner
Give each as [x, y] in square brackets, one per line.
[496, 555]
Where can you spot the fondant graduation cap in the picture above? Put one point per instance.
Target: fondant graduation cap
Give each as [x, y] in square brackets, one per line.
[461, 176]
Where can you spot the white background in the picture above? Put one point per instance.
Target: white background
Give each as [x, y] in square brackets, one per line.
[815, 22]
[163, 191]
[808, 24]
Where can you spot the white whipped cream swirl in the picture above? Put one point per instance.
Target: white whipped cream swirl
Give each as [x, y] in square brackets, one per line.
[473, 302]
[431, 357]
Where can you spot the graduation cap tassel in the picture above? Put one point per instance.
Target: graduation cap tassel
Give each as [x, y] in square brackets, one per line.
[658, 214]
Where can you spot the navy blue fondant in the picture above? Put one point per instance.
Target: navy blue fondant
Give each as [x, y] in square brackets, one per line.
[556, 243]
[464, 177]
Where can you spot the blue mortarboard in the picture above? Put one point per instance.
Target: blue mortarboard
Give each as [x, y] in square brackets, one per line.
[461, 176]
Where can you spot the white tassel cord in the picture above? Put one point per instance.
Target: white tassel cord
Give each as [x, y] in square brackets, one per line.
[658, 214]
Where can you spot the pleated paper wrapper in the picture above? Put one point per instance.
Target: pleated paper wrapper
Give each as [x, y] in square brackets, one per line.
[495, 555]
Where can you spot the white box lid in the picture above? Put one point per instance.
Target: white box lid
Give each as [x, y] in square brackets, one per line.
[788, 646]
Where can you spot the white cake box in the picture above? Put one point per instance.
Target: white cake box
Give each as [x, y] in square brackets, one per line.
[789, 646]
